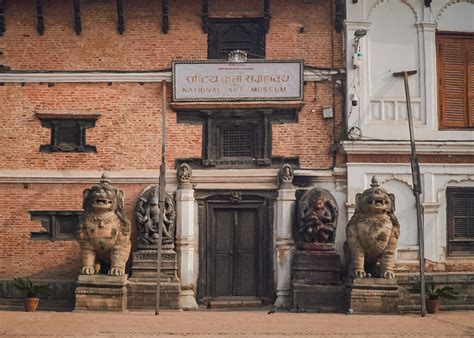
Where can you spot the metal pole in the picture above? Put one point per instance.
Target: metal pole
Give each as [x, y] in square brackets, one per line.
[162, 188]
[415, 172]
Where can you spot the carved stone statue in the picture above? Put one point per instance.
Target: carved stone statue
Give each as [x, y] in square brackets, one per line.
[317, 219]
[286, 174]
[147, 215]
[372, 234]
[104, 230]
[184, 173]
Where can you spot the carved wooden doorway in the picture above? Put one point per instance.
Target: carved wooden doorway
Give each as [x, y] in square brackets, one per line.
[236, 260]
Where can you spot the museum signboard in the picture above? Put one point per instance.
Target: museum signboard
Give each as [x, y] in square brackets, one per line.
[256, 80]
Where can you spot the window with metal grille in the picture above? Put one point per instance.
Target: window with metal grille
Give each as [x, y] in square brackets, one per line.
[57, 225]
[460, 204]
[237, 142]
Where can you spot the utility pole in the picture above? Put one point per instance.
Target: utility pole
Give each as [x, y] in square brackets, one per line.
[161, 192]
[415, 173]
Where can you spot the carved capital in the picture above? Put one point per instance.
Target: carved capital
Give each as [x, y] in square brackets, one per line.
[184, 174]
[286, 175]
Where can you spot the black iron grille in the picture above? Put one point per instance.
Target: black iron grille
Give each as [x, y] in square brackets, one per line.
[237, 142]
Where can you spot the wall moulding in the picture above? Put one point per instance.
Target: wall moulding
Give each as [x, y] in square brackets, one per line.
[403, 147]
[310, 74]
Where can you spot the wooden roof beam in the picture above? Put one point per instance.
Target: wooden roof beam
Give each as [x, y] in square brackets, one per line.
[121, 17]
[164, 16]
[39, 17]
[77, 16]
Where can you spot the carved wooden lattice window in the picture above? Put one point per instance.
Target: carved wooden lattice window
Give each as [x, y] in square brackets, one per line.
[456, 80]
[237, 138]
[226, 35]
[68, 134]
[460, 221]
[58, 225]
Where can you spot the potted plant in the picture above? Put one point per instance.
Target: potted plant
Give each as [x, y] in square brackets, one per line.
[33, 292]
[434, 294]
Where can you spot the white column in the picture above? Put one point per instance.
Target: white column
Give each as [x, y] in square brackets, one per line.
[285, 245]
[185, 245]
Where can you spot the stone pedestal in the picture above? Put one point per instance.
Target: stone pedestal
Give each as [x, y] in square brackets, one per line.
[372, 295]
[142, 283]
[317, 281]
[101, 293]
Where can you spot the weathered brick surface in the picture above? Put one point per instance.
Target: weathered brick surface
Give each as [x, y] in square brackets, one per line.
[22, 256]
[143, 46]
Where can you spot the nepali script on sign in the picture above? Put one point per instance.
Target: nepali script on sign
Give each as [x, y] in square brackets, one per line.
[249, 81]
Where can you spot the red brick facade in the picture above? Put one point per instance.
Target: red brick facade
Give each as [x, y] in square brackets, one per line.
[127, 132]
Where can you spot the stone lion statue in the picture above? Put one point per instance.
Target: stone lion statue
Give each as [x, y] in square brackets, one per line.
[104, 230]
[372, 234]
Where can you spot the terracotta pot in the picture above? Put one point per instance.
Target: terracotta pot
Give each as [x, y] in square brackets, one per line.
[432, 305]
[31, 304]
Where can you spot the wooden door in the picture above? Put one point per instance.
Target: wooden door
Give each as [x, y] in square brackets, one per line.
[234, 253]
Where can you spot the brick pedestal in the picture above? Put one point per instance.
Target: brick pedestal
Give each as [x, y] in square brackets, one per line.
[317, 281]
[101, 293]
[142, 283]
[372, 295]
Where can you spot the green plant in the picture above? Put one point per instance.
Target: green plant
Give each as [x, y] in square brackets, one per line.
[32, 290]
[432, 292]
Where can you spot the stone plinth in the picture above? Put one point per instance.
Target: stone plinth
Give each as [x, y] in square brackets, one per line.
[142, 283]
[372, 295]
[317, 281]
[101, 293]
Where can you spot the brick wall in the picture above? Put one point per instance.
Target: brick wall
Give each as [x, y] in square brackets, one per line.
[144, 47]
[22, 256]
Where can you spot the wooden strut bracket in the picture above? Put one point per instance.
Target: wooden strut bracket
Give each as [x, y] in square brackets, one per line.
[2, 17]
[121, 17]
[77, 16]
[40, 17]
[339, 16]
[266, 15]
[205, 15]
[164, 16]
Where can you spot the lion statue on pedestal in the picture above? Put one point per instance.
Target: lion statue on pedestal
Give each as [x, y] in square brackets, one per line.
[104, 230]
[372, 234]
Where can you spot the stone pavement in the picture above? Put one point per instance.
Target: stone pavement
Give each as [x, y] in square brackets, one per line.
[208, 323]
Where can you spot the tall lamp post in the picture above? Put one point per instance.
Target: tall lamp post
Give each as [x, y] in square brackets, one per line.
[415, 173]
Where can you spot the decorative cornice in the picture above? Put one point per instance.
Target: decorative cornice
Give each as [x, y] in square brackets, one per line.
[310, 74]
[403, 147]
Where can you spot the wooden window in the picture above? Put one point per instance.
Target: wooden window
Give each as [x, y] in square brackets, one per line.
[226, 35]
[460, 221]
[58, 225]
[237, 138]
[456, 80]
[68, 134]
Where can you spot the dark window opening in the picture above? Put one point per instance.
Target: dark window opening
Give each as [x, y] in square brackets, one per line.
[226, 35]
[57, 225]
[68, 134]
[460, 204]
[238, 142]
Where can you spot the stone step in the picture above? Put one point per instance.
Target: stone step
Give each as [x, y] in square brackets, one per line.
[237, 303]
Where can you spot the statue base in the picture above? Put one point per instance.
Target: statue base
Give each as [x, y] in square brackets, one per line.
[142, 283]
[317, 282]
[101, 293]
[372, 295]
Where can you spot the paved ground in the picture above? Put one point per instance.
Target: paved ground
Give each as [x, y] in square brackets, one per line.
[231, 324]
